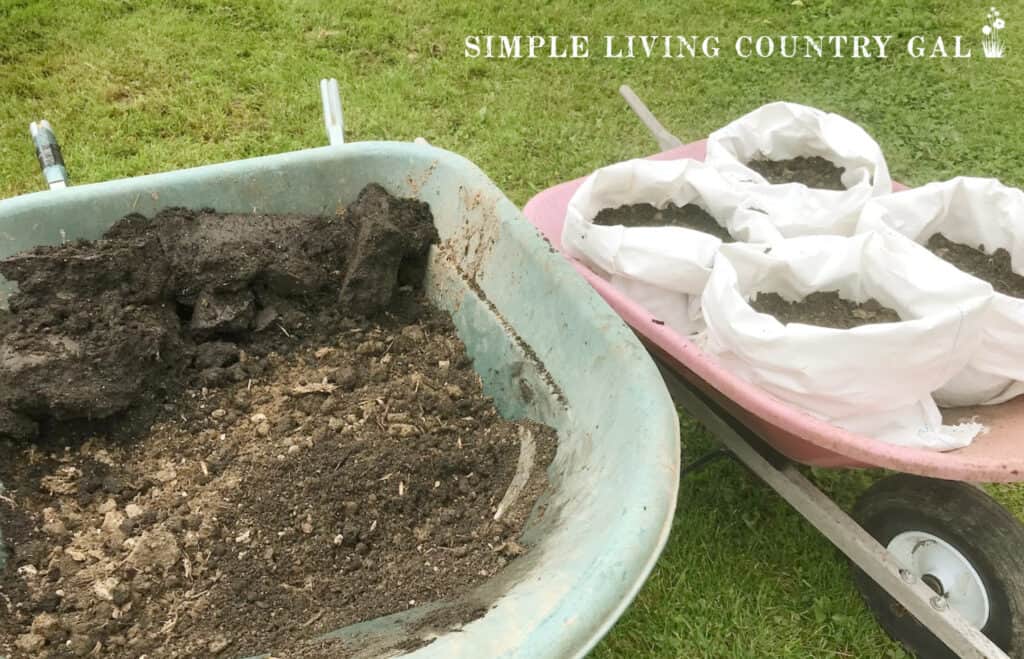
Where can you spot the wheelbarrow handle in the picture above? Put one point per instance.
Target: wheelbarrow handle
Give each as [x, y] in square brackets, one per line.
[334, 121]
[51, 161]
[665, 139]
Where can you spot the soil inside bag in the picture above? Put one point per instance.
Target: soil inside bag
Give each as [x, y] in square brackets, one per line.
[993, 268]
[824, 309]
[814, 172]
[689, 216]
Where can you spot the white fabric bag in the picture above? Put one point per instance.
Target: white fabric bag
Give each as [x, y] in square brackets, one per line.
[662, 268]
[779, 131]
[976, 212]
[875, 379]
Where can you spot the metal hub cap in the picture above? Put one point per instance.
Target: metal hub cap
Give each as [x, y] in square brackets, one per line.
[945, 570]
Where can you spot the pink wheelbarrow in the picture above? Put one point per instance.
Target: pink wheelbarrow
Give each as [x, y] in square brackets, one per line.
[938, 561]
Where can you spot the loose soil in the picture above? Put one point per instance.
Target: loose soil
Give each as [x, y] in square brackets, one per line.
[213, 449]
[825, 309]
[994, 268]
[690, 216]
[814, 172]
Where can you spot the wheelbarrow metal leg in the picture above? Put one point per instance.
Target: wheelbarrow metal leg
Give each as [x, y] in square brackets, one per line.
[839, 528]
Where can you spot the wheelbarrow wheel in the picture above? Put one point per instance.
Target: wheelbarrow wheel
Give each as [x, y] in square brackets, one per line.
[961, 543]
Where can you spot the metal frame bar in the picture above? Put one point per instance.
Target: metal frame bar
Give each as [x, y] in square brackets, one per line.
[841, 529]
[703, 461]
[665, 139]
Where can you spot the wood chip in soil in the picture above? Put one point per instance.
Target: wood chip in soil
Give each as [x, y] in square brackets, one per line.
[292, 476]
[824, 309]
[814, 172]
[994, 268]
[689, 216]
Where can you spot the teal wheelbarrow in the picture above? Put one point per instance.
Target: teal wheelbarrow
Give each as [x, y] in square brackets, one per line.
[545, 344]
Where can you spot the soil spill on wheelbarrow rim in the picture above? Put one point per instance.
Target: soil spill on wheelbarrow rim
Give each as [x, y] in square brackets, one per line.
[289, 456]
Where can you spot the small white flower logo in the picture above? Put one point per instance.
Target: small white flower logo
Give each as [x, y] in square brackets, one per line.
[991, 44]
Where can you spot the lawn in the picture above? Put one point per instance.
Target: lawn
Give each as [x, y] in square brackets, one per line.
[136, 87]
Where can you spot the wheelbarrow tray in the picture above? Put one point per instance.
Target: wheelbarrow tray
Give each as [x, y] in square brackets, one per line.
[996, 456]
[546, 347]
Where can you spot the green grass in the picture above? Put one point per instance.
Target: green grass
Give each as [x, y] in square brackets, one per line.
[745, 576]
[136, 87]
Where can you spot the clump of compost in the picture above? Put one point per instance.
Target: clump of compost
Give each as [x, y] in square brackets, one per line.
[814, 172]
[994, 268]
[228, 434]
[688, 216]
[825, 309]
[98, 330]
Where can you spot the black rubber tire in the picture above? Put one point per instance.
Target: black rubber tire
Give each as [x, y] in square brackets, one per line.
[963, 515]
